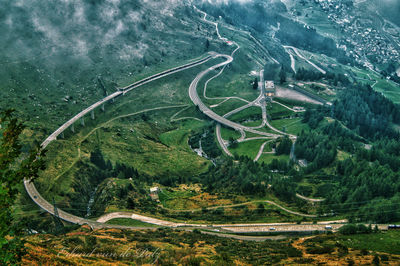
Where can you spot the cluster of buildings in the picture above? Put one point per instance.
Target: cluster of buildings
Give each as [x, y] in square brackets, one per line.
[154, 193]
[359, 37]
[269, 88]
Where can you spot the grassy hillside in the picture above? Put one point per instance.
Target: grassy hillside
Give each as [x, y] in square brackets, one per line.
[164, 246]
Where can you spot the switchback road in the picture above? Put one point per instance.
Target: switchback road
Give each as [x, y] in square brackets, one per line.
[208, 112]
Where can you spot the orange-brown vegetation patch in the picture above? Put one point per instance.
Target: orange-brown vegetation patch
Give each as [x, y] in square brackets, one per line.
[330, 252]
[207, 200]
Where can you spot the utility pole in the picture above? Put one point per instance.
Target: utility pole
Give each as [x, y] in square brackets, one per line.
[59, 226]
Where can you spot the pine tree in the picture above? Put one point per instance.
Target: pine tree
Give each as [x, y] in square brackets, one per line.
[255, 83]
[282, 76]
[207, 44]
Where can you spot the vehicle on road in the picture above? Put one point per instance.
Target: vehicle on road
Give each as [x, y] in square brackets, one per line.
[394, 226]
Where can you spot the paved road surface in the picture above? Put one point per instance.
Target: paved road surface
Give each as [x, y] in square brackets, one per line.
[56, 133]
[234, 228]
[165, 73]
[289, 211]
[252, 138]
[44, 204]
[221, 141]
[260, 151]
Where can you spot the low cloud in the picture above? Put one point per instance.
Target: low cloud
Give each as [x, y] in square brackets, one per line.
[78, 26]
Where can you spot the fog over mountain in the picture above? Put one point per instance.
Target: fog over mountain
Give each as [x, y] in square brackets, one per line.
[41, 28]
[52, 49]
[79, 26]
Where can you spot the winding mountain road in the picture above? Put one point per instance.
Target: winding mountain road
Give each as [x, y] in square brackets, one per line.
[100, 223]
[302, 57]
[260, 101]
[211, 114]
[45, 205]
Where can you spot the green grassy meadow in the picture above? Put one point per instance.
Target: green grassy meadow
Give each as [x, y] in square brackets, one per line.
[248, 148]
[290, 125]
[228, 133]
[228, 106]
[244, 114]
[129, 222]
[268, 158]
[387, 87]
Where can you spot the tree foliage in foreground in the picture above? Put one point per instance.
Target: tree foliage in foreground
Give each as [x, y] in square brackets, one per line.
[14, 167]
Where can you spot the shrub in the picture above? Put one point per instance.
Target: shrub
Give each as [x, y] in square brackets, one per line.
[196, 231]
[320, 250]
[364, 252]
[90, 241]
[376, 260]
[351, 229]
[304, 261]
[348, 229]
[194, 261]
[293, 252]
[384, 257]
[74, 241]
